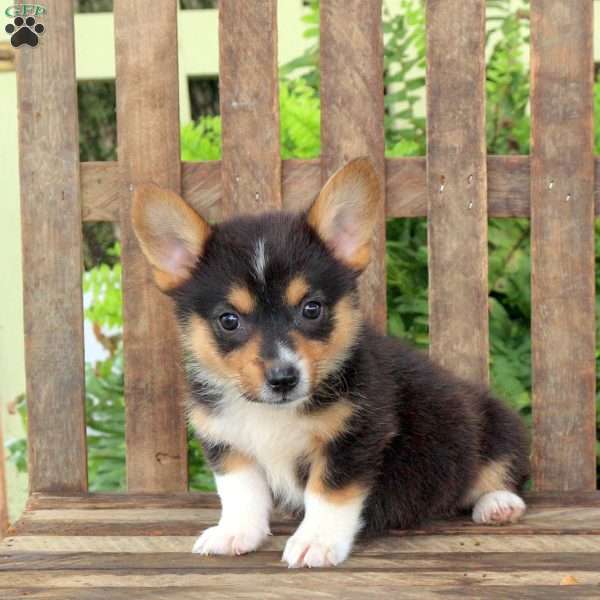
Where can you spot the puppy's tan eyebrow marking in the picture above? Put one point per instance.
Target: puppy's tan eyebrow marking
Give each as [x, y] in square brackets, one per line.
[296, 290]
[241, 299]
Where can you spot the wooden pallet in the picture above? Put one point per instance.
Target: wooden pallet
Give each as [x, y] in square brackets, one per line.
[114, 547]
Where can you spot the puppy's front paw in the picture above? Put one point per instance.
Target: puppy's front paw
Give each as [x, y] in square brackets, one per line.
[315, 550]
[224, 540]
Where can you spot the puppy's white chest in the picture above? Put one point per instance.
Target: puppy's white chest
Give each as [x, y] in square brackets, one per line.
[275, 437]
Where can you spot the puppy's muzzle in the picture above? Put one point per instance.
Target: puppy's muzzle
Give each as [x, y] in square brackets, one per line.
[282, 377]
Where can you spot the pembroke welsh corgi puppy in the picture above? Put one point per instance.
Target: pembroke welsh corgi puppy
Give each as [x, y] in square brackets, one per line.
[298, 402]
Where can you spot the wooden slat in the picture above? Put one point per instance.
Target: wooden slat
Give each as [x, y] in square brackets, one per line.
[490, 542]
[249, 100]
[406, 187]
[102, 187]
[186, 562]
[208, 500]
[52, 258]
[294, 592]
[351, 61]
[279, 581]
[562, 246]
[457, 182]
[571, 519]
[148, 133]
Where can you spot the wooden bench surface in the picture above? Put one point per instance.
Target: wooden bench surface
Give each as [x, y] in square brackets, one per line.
[114, 547]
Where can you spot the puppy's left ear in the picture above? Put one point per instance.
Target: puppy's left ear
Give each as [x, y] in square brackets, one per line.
[345, 212]
[171, 234]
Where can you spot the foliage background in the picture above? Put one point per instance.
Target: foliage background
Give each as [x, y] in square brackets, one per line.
[508, 128]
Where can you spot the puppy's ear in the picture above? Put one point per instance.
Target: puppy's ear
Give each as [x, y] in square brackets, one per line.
[170, 232]
[345, 212]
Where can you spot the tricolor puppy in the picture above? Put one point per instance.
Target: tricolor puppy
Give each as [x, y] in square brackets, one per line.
[298, 402]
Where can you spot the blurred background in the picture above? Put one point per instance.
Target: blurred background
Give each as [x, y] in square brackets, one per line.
[508, 126]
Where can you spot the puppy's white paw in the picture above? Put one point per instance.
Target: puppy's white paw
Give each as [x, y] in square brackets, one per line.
[304, 550]
[224, 540]
[496, 508]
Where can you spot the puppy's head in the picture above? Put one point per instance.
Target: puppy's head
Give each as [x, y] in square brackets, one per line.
[267, 305]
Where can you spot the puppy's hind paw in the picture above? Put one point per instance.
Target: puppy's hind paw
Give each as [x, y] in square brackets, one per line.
[497, 508]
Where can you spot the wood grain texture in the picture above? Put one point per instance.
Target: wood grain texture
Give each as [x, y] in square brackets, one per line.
[562, 246]
[186, 562]
[105, 501]
[459, 543]
[436, 561]
[102, 188]
[351, 61]
[52, 258]
[148, 134]
[573, 519]
[311, 581]
[289, 591]
[457, 187]
[249, 100]
[406, 187]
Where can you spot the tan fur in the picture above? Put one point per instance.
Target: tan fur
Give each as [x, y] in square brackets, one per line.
[242, 365]
[241, 299]
[170, 232]
[491, 478]
[328, 425]
[296, 290]
[317, 484]
[198, 416]
[323, 357]
[246, 362]
[353, 190]
[201, 342]
[235, 461]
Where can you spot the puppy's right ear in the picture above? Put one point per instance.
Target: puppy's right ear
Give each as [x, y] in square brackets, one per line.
[170, 232]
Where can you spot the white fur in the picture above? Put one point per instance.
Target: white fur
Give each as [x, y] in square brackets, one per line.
[276, 436]
[259, 262]
[495, 508]
[246, 506]
[326, 534]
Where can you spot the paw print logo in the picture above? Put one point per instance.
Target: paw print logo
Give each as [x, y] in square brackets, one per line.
[24, 31]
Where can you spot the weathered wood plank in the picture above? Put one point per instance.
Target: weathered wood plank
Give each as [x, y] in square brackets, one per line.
[488, 542]
[187, 562]
[352, 116]
[280, 577]
[197, 500]
[293, 592]
[562, 246]
[125, 500]
[102, 187]
[52, 263]
[249, 100]
[406, 187]
[148, 132]
[188, 521]
[457, 187]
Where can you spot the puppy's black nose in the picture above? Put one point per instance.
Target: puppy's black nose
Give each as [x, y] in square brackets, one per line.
[282, 377]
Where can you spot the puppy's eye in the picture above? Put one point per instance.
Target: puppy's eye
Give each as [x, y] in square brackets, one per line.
[311, 310]
[229, 321]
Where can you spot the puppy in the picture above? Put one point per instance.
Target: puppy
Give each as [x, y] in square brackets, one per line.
[298, 402]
